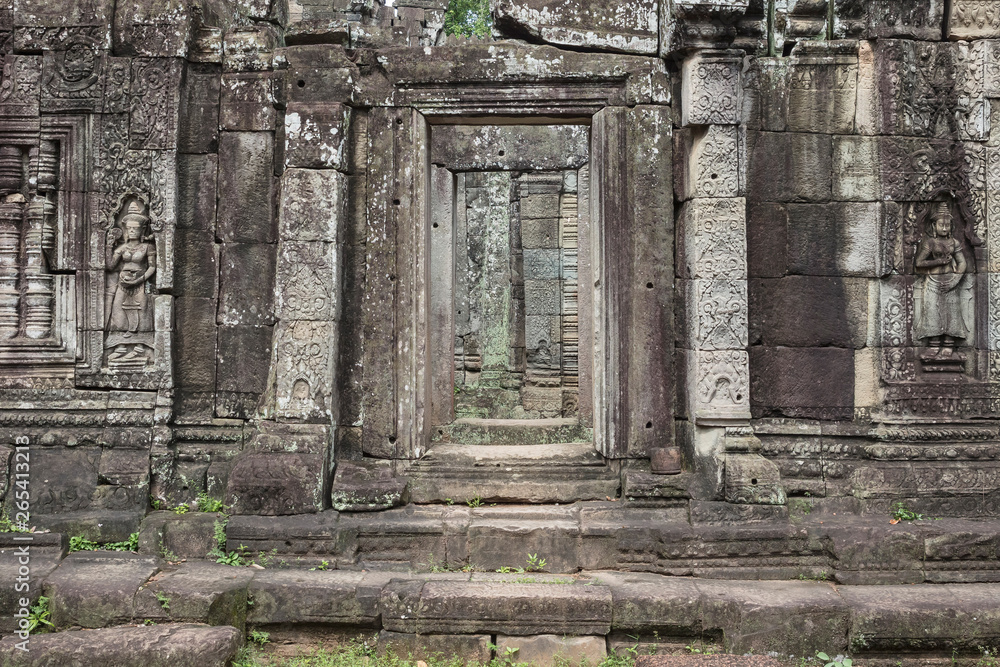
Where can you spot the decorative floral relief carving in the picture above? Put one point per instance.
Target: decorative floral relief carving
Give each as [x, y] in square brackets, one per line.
[723, 379]
[938, 89]
[715, 161]
[155, 98]
[72, 76]
[306, 278]
[993, 323]
[976, 14]
[715, 235]
[721, 307]
[117, 83]
[304, 355]
[19, 87]
[711, 90]
[120, 169]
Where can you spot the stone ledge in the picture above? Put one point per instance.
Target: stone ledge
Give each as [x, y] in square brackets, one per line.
[852, 549]
[758, 616]
[180, 645]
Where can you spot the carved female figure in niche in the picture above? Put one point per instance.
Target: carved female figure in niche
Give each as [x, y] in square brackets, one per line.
[940, 317]
[129, 303]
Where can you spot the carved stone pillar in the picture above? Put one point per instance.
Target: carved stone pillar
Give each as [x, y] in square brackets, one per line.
[39, 297]
[712, 227]
[10, 242]
[11, 169]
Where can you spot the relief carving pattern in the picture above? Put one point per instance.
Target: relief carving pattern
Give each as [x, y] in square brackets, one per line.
[712, 89]
[722, 314]
[723, 380]
[154, 105]
[715, 231]
[716, 161]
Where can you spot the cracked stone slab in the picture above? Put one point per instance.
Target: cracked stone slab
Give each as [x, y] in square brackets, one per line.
[495, 607]
[626, 27]
[94, 589]
[180, 645]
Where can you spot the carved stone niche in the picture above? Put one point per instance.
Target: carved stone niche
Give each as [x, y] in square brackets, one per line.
[934, 358]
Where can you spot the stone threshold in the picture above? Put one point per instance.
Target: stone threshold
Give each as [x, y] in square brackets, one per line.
[456, 612]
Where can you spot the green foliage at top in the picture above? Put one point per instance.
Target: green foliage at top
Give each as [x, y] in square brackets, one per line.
[471, 18]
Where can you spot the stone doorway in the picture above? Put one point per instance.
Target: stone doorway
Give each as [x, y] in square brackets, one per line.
[516, 295]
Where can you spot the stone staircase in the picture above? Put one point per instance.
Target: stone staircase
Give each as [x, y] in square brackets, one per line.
[513, 461]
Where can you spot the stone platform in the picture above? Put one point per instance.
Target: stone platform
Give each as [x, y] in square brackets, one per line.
[590, 613]
[704, 539]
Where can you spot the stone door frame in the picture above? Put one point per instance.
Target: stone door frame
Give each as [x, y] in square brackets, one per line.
[631, 209]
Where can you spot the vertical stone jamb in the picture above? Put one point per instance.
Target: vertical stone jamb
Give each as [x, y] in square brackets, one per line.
[712, 229]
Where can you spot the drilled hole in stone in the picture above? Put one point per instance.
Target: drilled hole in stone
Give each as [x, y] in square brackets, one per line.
[753, 481]
[649, 424]
[392, 440]
[501, 153]
[649, 285]
[399, 121]
[392, 279]
[395, 202]
[287, 543]
[435, 225]
[739, 397]
[302, 84]
[714, 176]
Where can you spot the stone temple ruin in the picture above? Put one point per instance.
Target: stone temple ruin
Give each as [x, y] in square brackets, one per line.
[701, 288]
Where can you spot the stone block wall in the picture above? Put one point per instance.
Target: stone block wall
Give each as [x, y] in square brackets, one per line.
[217, 271]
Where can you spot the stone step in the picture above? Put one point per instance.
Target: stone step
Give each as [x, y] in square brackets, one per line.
[545, 473]
[613, 608]
[172, 645]
[512, 432]
[726, 541]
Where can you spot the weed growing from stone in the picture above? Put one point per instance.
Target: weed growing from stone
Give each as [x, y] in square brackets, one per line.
[8, 526]
[38, 616]
[323, 565]
[80, 543]
[163, 599]
[900, 512]
[474, 502]
[209, 504]
[535, 564]
[260, 637]
[839, 661]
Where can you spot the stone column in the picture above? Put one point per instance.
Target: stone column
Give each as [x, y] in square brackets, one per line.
[712, 229]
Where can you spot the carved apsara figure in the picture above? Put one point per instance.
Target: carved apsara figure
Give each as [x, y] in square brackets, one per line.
[129, 301]
[940, 318]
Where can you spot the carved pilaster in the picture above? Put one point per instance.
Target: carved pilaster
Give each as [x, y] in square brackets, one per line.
[10, 242]
[39, 295]
[712, 227]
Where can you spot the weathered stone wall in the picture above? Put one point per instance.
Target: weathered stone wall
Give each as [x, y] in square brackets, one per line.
[220, 264]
